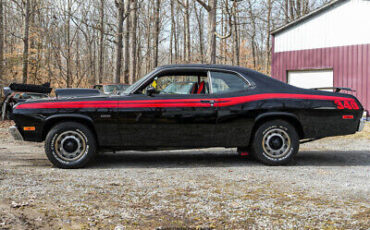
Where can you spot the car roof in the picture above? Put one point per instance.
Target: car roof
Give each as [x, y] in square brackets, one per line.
[202, 66]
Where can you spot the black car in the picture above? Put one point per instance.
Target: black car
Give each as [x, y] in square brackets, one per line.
[226, 107]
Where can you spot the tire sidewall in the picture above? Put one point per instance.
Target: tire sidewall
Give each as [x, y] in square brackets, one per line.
[70, 126]
[258, 142]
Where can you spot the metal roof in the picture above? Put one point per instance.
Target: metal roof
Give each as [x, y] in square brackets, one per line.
[314, 13]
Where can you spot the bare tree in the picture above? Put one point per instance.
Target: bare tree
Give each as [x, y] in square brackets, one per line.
[77, 43]
[173, 29]
[25, 40]
[268, 32]
[211, 8]
[120, 18]
[69, 50]
[236, 45]
[187, 46]
[133, 41]
[156, 12]
[1, 40]
[127, 43]
[200, 18]
[101, 43]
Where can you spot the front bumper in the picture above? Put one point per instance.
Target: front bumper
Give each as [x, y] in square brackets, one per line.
[15, 133]
[361, 125]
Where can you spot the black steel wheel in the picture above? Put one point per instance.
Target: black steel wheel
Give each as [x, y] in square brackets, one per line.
[275, 143]
[70, 145]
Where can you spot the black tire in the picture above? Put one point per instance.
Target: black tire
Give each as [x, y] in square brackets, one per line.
[275, 142]
[70, 145]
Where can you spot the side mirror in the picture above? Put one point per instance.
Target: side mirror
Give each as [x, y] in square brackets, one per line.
[150, 91]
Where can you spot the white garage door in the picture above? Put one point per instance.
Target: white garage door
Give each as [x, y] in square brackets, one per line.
[311, 78]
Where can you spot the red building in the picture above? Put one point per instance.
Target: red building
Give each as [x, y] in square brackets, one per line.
[330, 47]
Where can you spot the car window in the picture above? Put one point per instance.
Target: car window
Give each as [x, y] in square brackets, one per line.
[227, 83]
[180, 84]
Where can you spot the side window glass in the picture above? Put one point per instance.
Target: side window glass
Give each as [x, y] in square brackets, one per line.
[180, 84]
[227, 83]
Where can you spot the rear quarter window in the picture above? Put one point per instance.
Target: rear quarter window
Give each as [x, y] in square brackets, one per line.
[227, 83]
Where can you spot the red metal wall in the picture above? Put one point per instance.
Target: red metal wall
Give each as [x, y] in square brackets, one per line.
[350, 64]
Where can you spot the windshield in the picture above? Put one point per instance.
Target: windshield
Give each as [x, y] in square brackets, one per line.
[110, 88]
[141, 80]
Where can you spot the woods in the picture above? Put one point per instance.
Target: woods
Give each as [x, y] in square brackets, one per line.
[76, 43]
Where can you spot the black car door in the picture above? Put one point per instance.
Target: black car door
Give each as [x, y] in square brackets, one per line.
[169, 120]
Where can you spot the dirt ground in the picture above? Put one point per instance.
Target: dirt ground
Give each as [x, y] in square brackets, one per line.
[326, 187]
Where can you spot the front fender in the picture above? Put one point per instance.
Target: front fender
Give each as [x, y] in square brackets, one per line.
[52, 120]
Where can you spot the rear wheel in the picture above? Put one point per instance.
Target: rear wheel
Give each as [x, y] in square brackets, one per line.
[275, 143]
[70, 145]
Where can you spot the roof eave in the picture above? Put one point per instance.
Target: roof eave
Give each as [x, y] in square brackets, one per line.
[307, 16]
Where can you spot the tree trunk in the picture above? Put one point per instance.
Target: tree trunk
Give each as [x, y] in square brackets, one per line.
[69, 51]
[187, 29]
[212, 32]
[286, 10]
[101, 43]
[25, 41]
[156, 32]
[176, 37]
[126, 64]
[120, 15]
[148, 40]
[199, 17]
[1, 41]
[291, 9]
[253, 35]
[236, 56]
[172, 30]
[133, 42]
[211, 52]
[268, 31]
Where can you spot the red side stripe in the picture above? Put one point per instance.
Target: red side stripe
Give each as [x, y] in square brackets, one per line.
[221, 102]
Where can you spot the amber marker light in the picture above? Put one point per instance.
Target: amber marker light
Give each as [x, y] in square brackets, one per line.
[29, 128]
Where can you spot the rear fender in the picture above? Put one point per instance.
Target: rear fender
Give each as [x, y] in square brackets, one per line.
[289, 117]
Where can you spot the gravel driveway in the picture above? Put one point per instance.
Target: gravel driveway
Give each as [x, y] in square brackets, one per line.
[328, 186]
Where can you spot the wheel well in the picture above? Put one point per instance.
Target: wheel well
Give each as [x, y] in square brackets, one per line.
[53, 122]
[293, 121]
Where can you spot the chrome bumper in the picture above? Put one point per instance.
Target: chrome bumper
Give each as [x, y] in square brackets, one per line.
[15, 133]
[361, 125]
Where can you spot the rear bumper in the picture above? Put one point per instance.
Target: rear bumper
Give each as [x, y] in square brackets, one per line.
[361, 125]
[15, 133]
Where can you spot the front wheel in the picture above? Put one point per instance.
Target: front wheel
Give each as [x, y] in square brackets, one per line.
[70, 145]
[275, 143]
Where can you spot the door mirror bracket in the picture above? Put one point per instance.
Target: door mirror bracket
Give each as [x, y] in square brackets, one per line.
[150, 91]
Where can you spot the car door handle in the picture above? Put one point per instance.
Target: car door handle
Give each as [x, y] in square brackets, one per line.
[208, 101]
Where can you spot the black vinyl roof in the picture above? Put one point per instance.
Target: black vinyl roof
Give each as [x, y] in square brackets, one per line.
[205, 66]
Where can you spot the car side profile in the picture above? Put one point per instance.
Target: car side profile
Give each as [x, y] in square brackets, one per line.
[206, 106]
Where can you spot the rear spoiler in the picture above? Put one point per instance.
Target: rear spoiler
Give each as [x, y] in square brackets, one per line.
[337, 89]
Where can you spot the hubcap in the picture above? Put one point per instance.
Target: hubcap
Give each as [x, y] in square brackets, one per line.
[276, 143]
[70, 145]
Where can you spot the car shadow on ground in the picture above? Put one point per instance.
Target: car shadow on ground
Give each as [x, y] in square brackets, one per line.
[227, 158]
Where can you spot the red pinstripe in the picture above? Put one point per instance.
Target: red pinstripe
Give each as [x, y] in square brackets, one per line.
[221, 102]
